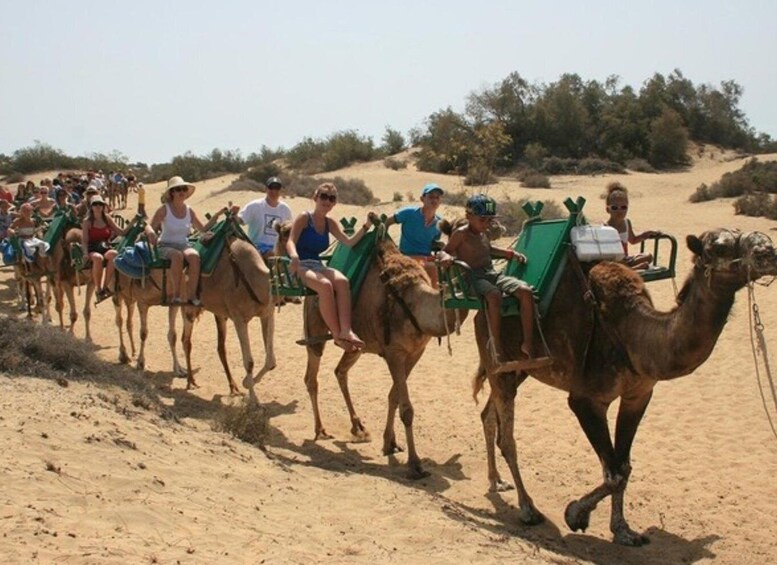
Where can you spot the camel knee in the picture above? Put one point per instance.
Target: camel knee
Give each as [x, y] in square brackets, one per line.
[406, 414]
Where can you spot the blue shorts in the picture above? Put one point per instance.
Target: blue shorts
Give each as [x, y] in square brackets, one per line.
[264, 248]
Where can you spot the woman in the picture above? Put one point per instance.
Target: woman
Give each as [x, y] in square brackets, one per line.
[175, 219]
[24, 227]
[44, 205]
[97, 231]
[308, 239]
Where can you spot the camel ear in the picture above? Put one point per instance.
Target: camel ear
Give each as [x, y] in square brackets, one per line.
[695, 245]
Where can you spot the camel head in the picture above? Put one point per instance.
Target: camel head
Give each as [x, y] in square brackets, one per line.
[744, 256]
[494, 231]
[284, 230]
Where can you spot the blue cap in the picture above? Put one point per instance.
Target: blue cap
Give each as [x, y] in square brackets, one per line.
[431, 187]
[481, 205]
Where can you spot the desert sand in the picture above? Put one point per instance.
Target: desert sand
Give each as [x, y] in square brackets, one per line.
[88, 476]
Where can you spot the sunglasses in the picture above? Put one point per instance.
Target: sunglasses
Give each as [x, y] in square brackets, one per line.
[97, 204]
[330, 197]
[274, 187]
[624, 207]
[180, 189]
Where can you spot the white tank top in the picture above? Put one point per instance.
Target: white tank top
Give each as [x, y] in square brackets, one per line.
[175, 231]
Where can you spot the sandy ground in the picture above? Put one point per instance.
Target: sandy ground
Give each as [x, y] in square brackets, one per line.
[89, 477]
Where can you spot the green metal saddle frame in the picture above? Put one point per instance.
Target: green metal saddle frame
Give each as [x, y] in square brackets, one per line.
[353, 262]
[546, 245]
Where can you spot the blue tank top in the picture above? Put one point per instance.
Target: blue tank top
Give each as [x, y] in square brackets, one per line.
[311, 244]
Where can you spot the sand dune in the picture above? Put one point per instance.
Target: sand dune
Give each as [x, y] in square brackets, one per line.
[125, 485]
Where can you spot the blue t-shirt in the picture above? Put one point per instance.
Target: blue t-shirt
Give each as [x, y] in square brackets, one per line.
[417, 237]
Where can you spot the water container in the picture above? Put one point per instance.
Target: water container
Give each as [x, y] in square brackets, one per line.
[597, 243]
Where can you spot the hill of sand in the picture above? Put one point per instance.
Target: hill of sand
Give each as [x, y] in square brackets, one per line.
[91, 476]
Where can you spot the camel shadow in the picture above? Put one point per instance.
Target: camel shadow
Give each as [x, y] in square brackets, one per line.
[664, 546]
[347, 459]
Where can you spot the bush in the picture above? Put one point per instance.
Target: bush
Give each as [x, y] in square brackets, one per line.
[456, 198]
[593, 166]
[397, 197]
[757, 204]
[394, 164]
[262, 171]
[535, 180]
[393, 142]
[640, 166]
[702, 194]
[14, 178]
[246, 422]
[40, 157]
[534, 154]
[513, 215]
[754, 177]
[337, 151]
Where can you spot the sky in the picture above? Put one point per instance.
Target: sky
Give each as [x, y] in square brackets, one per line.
[154, 79]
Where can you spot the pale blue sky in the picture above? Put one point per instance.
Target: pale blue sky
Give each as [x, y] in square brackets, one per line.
[154, 79]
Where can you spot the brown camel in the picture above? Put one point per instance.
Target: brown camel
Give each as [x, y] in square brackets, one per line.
[67, 278]
[30, 278]
[396, 319]
[619, 347]
[238, 289]
[145, 293]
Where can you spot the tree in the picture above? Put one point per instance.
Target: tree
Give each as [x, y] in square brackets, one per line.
[668, 140]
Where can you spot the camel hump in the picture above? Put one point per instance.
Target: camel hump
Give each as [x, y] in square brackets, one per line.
[616, 285]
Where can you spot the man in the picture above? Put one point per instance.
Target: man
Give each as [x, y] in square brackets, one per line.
[419, 228]
[262, 214]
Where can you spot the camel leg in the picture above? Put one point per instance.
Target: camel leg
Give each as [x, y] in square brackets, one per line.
[268, 336]
[490, 421]
[123, 357]
[630, 415]
[390, 445]
[315, 352]
[143, 311]
[503, 391]
[241, 328]
[87, 311]
[131, 325]
[400, 367]
[172, 337]
[358, 431]
[186, 341]
[616, 467]
[59, 305]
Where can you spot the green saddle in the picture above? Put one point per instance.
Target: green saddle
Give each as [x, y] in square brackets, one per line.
[59, 223]
[543, 242]
[353, 262]
[211, 250]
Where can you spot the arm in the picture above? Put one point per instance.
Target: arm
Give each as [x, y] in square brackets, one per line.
[448, 254]
[508, 254]
[291, 245]
[633, 238]
[155, 224]
[205, 227]
[114, 228]
[85, 234]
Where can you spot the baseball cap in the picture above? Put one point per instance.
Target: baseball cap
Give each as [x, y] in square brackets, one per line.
[481, 205]
[431, 187]
[273, 180]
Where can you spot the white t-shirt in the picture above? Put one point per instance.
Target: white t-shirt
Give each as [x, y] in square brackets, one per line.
[260, 218]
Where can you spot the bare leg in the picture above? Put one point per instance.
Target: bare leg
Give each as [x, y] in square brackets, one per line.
[193, 260]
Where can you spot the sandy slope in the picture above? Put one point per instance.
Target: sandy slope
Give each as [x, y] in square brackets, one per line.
[133, 487]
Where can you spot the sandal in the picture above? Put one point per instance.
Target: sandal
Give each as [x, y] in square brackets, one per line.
[102, 294]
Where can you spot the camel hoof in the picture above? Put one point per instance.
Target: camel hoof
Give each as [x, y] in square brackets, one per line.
[321, 434]
[123, 358]
[234, 391]
[191, 385]
[500, 486]
[140, 366]
[248, 382]
[391, 449]
[180, 372]
[627, 536]
[576, 516]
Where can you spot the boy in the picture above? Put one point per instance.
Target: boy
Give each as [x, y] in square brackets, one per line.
[262, 214]
[470, 244]
[419, 228]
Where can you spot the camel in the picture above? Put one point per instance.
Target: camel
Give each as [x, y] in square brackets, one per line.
[67, 278]
[238, 289]
[396, 319]
[145, 293]
[618, 347]
[29, 278]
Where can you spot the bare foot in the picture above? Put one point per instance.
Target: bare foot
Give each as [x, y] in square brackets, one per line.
[527, 350]
[352, 338]
[346, 345]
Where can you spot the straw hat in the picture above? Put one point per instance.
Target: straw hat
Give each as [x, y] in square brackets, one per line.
[178, 181]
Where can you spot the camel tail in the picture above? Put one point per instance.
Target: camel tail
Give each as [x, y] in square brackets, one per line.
[477, 382]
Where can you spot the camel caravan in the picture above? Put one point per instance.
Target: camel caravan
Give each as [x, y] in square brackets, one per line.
[566, 304]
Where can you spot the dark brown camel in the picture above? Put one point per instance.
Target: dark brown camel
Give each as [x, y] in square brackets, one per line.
[619, 348]
[387, 329]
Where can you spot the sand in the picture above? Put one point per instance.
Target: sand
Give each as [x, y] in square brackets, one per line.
[90, 477]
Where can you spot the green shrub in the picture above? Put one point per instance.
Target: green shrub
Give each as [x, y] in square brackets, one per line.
[534, 154]
[756, 204]
[512, 215]
[260, 172]
[535, 180]
[394, 164]
[40, 157]
[14, 178]
[640, 165]
[349, 191]
[594, 166]
[393, 142]
[458, 198]
[246, 422]
[397, 197]
[702, 194]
